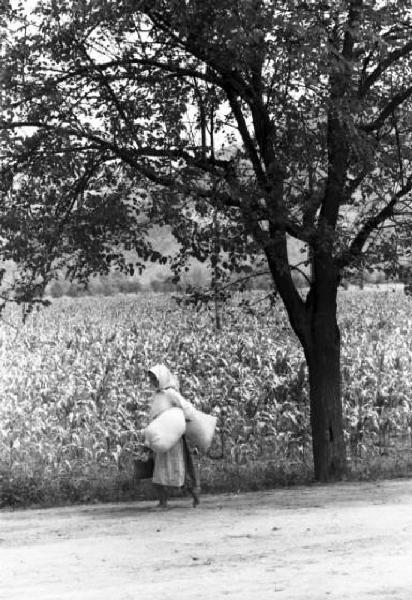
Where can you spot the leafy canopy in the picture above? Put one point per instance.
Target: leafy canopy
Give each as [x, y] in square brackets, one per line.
[239, 124]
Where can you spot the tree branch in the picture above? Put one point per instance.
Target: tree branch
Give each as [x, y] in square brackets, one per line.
[130, 156]
[337, 136]
[228, 76]
[399, 146]
[367, 82]
[302, 272]
[395, 101]
[247, 138]
[143, 62]
[104, 81]
[356, 247]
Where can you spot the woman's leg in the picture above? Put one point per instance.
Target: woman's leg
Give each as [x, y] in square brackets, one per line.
[194, 492]
[191, 480]
[161, 492]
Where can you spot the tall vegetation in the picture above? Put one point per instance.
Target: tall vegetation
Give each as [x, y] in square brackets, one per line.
[247, 121]
[73, 392]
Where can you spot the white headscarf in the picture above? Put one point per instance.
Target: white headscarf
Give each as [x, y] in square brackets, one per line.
[165, 378]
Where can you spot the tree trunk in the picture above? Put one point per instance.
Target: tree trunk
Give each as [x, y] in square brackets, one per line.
[322, 350]
[323, 358]
[315, 324]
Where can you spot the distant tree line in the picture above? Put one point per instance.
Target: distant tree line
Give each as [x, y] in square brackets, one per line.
[117, 283]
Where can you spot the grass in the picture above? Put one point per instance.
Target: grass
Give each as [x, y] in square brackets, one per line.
[216, 477]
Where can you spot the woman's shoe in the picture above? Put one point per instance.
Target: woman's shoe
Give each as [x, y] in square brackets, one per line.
[195, 496]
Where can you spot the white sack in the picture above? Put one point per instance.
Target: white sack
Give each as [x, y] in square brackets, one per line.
[166, 430]
[200, 429]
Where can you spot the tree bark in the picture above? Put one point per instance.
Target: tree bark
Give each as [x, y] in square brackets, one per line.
[322, 350]
[323, 359]
[315, 324]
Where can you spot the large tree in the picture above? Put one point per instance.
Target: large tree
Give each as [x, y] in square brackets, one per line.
[255, 121]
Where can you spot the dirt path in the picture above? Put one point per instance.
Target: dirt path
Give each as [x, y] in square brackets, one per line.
[346, 541]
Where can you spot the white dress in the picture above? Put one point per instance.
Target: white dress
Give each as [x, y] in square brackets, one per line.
[169, 468]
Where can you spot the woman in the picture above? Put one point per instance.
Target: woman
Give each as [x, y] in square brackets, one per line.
[175, 467]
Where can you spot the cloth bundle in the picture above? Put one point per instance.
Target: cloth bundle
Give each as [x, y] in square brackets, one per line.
[173, 416]
[165, 430]
[200, 429]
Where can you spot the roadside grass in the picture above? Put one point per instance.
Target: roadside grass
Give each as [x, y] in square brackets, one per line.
[216, 477]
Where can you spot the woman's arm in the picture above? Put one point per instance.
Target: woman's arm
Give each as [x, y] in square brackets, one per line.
[177, 400]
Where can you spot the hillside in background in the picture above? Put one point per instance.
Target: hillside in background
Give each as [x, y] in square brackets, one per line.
[156, 277]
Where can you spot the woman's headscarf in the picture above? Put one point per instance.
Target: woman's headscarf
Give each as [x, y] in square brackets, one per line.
[165, 378]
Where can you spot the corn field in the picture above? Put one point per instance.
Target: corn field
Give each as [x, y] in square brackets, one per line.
[73, 387]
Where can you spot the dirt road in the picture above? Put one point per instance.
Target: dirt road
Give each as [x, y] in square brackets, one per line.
[336, 542]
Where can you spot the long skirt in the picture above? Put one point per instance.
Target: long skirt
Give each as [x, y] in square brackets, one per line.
[175, 468]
